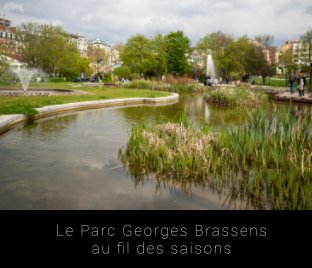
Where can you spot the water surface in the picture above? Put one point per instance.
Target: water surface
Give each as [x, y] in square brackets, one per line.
[71, 161]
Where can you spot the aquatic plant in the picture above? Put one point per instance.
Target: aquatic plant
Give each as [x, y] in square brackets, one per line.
[267, 162]
[237, 96]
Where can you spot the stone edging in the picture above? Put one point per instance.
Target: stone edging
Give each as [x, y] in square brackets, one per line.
[9, 121]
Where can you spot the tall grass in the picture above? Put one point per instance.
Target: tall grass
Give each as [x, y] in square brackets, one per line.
[267, 162]
[238, 96]
[171, 85]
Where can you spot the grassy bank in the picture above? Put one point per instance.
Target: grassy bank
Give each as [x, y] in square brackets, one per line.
[267, 163]
[26, 105]
[237, 96]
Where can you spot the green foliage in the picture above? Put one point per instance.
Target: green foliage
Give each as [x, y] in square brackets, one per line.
[6, 76]
[51, 49]
[178, 47]
[216, 42]
[137, 54]
[159, 55]
[108, 77]
[122, 72]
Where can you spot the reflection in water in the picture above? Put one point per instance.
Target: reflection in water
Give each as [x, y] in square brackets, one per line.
[71, 162]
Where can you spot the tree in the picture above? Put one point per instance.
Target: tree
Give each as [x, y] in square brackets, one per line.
[96, 55]
[286, 60]
[216, 42]
[306, 38]
[160, 64]
[122, 72]
[137, 54]
[241, 56]
[265, 40]
[51, 49]
[178, 48]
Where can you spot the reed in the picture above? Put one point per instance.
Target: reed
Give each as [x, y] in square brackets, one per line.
[238, 96]
[267, 162]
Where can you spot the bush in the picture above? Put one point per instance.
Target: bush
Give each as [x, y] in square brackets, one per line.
[122, 72]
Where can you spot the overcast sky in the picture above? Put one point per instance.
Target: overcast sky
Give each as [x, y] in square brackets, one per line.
[116, 20]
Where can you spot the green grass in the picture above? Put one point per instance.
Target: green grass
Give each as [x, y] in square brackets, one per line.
[274, 82]
[267, 162]
[25, 105]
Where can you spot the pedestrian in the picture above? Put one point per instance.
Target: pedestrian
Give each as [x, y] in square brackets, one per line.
[292, 79]
[301, 85]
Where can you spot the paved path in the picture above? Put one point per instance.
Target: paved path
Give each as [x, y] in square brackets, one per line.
[286, 96]
[283, 94]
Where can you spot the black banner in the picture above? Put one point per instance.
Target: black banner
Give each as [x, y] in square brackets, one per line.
[181, 235]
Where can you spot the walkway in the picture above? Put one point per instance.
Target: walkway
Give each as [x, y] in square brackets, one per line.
[283, 94]
[286, 96]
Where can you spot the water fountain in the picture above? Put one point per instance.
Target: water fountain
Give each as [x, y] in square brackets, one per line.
[25, 76]
[211, 70]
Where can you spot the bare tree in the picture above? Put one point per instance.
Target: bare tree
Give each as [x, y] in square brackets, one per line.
[266, 40]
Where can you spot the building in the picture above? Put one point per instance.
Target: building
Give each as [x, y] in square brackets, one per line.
[300, 54]
[85, 46]
[9, 41]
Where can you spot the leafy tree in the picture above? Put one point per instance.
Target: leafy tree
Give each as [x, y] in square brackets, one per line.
[286, 60]
[51, 49]
[178, 48]
[6, 77]
[216, 42]
[241, 55]
[137, 54]
[306, 38]
[160, 65]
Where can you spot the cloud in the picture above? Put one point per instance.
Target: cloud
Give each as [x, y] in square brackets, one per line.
[11, 7]
[115, 21]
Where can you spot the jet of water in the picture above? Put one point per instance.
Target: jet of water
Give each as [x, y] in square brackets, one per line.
[211, 70]
[25, 75]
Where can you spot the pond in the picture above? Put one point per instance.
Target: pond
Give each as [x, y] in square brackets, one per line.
[71, 161]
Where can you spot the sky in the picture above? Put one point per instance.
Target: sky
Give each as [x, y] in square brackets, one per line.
[115, 21]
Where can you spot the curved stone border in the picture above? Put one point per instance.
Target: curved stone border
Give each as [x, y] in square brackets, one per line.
[9, 121]
[38, 92]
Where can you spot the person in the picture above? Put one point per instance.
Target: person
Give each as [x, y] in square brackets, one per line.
[82, 78]
[292, 82]
[301, 83]
[209, 81]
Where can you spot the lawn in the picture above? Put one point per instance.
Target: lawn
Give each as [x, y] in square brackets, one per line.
[26, 105]
[274, 82]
